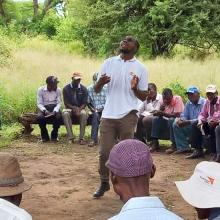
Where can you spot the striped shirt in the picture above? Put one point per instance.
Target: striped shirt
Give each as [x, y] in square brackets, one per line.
[97, 100]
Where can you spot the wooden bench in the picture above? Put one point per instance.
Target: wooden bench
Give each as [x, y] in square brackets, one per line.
[27, 119]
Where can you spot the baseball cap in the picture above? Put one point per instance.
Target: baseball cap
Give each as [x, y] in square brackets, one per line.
[192, 89]
[76, 76]
[11, 179]
[202, 189]
[52, 80]
[130, 158]
[211, 88]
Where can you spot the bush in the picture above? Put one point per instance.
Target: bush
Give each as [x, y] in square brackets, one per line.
[49, 24]
[178, 89]
[5, 50]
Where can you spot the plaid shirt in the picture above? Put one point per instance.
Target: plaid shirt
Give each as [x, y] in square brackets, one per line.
[97, 100]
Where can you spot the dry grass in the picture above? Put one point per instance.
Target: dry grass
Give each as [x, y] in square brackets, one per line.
[30, 68]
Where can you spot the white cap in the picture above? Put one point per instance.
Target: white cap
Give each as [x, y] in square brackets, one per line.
[202, 189]
[211, 88]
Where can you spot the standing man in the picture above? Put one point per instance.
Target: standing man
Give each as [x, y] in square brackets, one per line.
[75, 97]
[185, 127]
[126, 80]
[12, 186]
[49, 103]
[208, 123]
[96, 103]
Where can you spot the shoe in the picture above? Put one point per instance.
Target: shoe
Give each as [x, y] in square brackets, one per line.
[217, 159]
[54, 140]
[154, 146]
[71, 141]
[196, 154]
[42, 140]
[92, 144]
[80, 142]
[170, 151]
[183, 151]
[101, 190]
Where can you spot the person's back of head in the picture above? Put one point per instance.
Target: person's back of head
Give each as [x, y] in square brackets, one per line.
[202, 190]
[131, 167]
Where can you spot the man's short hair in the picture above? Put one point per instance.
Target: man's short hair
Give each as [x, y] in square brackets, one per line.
[153, 85]
[167, 92]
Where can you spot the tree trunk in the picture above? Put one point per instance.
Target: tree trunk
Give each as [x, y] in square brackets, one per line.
[36, 7]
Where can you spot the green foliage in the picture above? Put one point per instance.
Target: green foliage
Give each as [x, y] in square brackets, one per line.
[159, 25]
[5, 49]
[178, 89]
[6, 109]
[49, 25]
[9, 133]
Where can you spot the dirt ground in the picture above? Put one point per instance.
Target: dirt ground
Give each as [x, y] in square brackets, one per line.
[64, 177]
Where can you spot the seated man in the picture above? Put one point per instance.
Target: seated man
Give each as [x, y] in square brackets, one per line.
[131, 167]
[171, 107]
[145, 116]
[49, 103]
[202, 190]
[12, 185]
[75, 97]
[208, 123]
[185, 127]
[96, 103]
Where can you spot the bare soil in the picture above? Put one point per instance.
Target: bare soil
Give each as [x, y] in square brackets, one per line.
[64, 177]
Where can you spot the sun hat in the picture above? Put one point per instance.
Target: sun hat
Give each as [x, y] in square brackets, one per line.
[11, 179]
[211, 88]
[76, 76]
[130, 158]
[192, 89]
[202, 189]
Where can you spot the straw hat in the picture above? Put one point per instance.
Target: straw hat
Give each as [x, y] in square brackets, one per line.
[11, 179]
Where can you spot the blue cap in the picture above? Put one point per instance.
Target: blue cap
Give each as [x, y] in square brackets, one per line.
[192, 89]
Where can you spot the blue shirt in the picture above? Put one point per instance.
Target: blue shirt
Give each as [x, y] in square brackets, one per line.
[145, 208]
[191, 111]
[97, 100]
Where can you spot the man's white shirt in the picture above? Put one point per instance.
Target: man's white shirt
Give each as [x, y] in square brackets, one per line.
[9, 211]
[120, 98]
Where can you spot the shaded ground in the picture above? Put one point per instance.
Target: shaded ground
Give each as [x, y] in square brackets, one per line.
[64, 178]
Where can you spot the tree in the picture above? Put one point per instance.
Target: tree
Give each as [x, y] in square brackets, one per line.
[159, 25]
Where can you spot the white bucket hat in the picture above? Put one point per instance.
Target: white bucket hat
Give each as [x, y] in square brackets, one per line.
[202, 189]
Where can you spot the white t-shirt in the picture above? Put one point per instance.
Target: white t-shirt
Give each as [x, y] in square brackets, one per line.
[120, 98]
[9, 211]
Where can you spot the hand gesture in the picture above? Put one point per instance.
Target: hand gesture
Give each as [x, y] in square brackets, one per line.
[104, 79]
[134, 82]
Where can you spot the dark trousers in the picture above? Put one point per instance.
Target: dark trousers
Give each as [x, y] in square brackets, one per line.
[95, 125]
[196, 138]
[54, 120]
[209, 138]
[141, 132]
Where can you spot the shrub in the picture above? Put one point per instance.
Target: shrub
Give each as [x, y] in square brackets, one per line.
[5, 50]
[178, 89]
